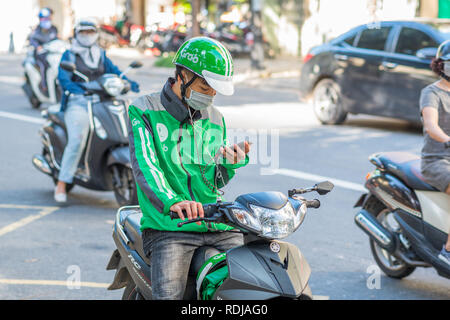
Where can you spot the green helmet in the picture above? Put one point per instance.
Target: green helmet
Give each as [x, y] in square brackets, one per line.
[209, 59]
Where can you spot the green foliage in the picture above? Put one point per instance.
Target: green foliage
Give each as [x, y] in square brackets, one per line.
[165, 61]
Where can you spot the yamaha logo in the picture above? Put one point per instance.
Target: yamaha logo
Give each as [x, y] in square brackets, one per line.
[275, 247]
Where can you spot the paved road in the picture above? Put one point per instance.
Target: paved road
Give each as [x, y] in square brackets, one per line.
[43, 246]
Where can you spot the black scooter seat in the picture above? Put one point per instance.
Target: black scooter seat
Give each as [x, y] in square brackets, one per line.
[405, 166]
[132, 226]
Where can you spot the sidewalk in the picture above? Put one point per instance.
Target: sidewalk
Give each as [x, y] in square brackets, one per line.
[280, 67]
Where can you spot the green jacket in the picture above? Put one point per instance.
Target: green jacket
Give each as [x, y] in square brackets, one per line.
[169, 154]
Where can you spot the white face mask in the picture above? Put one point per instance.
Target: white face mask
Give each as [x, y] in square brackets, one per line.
[447, 68]
[87, 40]
[199, 101]
[45, 24]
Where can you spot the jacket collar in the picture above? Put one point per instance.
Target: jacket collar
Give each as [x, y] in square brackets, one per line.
[174, 106]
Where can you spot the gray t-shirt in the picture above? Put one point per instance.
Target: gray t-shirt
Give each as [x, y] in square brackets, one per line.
[435, 97]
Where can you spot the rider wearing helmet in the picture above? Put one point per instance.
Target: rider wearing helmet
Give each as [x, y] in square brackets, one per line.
[91, 61]
[435, 110]
[180, 161]
[42, 34]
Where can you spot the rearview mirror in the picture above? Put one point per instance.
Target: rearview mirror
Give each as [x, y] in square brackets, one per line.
[324, 187]
[135, 64]
[426, 53]
[68, 66]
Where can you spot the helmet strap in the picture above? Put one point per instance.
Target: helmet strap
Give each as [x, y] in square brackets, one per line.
[443, 75]
[184, 85]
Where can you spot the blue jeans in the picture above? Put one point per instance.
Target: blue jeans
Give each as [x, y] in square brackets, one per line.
[170, 255]
[77, 123]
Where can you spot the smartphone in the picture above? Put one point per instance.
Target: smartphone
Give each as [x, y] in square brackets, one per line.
[241, 145]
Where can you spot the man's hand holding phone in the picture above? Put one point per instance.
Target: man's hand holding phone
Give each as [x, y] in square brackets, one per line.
[236, 152]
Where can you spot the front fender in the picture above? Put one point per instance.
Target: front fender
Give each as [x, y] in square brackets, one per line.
[257, 273]
[119, 155]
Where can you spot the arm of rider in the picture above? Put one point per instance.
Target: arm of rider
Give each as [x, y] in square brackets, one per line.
[110, 67]
[431, 125]
[65, 77]
[146, 167]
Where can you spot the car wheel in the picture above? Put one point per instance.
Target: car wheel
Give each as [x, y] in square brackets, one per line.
[328, 102]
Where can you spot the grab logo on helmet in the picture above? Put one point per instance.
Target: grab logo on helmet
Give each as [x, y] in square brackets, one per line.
[192, 57]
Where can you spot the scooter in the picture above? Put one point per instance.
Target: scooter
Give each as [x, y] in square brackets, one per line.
[105, 163]
[55, 50]
[262, 268]
[407, 220]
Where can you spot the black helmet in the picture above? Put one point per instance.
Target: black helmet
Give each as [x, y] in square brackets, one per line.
[443, 51]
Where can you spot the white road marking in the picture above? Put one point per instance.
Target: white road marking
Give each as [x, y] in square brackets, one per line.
[12, 79]
[321, 297]
[316, 178]
[44, 211]
[20, 117]
[51, 283]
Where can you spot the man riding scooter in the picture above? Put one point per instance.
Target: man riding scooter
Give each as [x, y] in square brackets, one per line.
[176, 136]
[44, 33]
[91, 61]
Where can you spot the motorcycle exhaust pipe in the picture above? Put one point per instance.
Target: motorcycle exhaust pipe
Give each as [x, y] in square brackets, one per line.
[41, 164]
[375, 230]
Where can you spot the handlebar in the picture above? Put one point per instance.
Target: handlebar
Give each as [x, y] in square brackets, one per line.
[213, 214]
[313, 203]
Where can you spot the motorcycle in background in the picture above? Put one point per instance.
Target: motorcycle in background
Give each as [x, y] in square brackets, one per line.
[406, 219]
[130, 35]
[262, 268]
[105, 163]
[55, 50]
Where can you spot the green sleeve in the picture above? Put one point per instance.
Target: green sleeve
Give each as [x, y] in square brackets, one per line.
[144, 161]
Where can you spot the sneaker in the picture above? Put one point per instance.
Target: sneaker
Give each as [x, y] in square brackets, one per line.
[61, 197]
[444, 255]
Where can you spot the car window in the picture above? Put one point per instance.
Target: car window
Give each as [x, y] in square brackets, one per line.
[350, 40]
[412, 40]
[374, 38]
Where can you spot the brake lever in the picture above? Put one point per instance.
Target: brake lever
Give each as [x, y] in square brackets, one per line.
[180, 224]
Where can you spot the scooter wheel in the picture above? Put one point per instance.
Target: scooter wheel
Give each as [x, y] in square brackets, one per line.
[392, 266]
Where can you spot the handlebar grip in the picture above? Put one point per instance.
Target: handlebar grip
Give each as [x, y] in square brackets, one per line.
[173, 215]
[313, 203]
[208, 210]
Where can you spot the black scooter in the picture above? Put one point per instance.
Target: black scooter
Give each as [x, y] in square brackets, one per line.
[407, 220]
[105, 163]
[263, 268]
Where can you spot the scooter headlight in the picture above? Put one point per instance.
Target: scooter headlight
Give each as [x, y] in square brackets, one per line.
[269, 223]
[113, 86]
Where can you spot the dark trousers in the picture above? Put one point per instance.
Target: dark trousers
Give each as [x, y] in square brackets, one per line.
[170, 255]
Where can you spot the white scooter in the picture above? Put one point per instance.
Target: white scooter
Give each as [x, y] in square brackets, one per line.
[407, 220]
[55, 49]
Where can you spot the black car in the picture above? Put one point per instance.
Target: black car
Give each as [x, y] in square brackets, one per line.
[376, 69]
